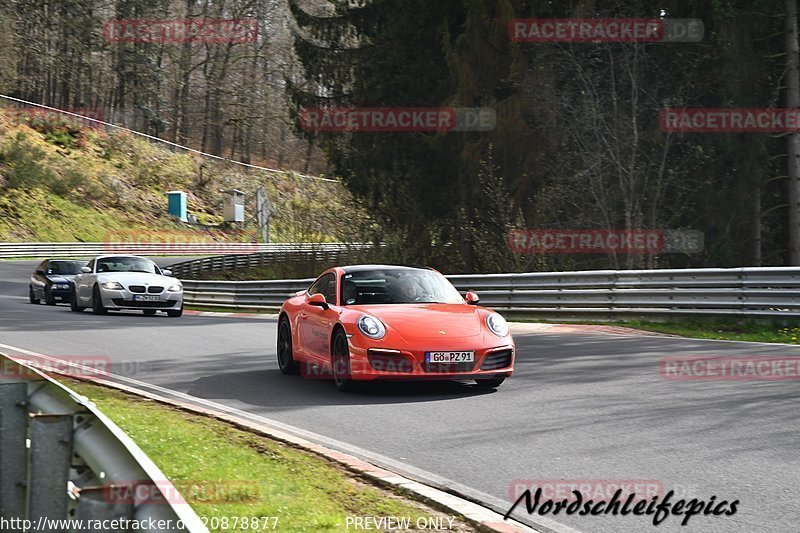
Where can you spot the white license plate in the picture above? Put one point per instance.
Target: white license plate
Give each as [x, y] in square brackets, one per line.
[146, 298]
[449, 357]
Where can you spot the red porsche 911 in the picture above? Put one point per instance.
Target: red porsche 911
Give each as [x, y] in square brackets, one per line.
[370, 322]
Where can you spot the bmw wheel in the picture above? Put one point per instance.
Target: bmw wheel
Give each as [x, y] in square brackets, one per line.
[97, 302]
[73, 302]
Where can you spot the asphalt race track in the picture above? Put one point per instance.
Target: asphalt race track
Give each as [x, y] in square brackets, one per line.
[581, 407]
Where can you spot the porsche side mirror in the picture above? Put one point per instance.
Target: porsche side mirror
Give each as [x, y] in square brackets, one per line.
[318, 300]
[472, 298]
[166, 272]
[86, 270]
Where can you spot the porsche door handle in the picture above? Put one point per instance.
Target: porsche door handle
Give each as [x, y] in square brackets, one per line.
[304, 315]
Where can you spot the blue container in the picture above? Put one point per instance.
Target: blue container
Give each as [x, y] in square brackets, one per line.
[177, 204]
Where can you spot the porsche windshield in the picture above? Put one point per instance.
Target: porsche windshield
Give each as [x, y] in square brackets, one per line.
[126, 264]
[397, 286]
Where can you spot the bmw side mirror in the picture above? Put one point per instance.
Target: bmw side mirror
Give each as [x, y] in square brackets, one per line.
[86, 270]
[166, 272]
[318, 300]
[472, 298]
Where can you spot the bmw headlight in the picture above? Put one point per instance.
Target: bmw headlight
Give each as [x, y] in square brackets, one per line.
[497, 324]
[371, 327]
[112, 286]
[174, 288]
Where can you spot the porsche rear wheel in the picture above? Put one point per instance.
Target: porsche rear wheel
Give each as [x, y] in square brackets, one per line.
[341, 363]
[286, 362]
[490, 383]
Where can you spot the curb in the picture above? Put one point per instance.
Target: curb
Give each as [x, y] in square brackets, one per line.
[477, 515]
[218, 314]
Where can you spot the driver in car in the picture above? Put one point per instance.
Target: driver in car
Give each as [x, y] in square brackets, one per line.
[408, 291]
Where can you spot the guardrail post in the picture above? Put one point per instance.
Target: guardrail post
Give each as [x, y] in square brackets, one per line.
[94, 504]
[13, 450]
[50, 459]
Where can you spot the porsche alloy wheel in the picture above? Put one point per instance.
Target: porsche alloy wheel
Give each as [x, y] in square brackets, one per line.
[341, 363]
[286, 362]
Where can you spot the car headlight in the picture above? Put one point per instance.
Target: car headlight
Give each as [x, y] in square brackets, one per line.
[497, 324]
[113, 286]
[61, 286]
[371, 327]
[174, 288]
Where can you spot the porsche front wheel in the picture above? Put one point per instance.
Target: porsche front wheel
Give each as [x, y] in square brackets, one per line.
[341, 363]
[286, 362]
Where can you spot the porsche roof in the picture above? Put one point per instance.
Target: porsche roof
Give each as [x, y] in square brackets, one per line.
[361, 268]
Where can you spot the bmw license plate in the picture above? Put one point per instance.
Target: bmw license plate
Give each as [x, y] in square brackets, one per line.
[449, 357]
[146, 298]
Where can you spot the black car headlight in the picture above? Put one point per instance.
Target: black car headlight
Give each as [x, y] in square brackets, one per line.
[371, 327]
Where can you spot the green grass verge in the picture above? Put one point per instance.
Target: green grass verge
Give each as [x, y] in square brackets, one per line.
[698, 328]
[305, 492]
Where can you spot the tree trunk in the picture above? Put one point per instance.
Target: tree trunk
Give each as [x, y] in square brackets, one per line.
[793, 146]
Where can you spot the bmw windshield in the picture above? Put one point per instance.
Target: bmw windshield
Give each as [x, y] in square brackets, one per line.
[65, 268]
[397, 286]
[127, 264]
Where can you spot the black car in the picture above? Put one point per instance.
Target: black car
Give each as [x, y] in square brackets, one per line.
[52, 281]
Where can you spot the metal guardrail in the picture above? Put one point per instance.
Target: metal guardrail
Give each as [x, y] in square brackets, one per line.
[89, 249]
[318, 253]
[60, 457]
[741, 292]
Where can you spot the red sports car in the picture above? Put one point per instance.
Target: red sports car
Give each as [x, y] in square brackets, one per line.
[368, 322]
